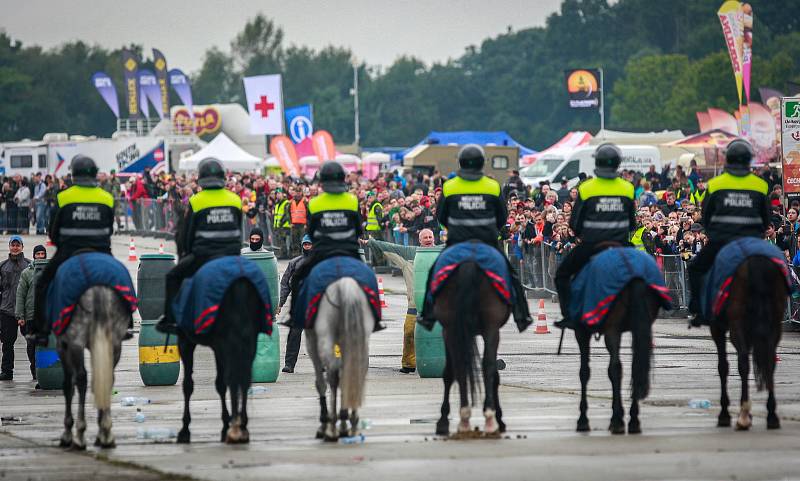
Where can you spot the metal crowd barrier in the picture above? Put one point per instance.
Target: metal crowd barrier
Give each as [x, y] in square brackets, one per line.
[676, 279]
[538, 266]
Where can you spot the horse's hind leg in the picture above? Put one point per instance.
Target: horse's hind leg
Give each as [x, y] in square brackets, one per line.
[464, 411]
[617, 425]
[745, 418]
[186, 349]
[773, 422]
[443, 425]
[219, 384]
[583, 336]
[79, 442]
[490, 375]
[313, 353]
[724, 419]
[68, 387]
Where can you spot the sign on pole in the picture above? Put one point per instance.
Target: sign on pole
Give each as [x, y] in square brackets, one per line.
[265, 104]
[583, 86]
[790, 143]
[299, 122]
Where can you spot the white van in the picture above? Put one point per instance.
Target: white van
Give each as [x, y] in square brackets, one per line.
[559, 164]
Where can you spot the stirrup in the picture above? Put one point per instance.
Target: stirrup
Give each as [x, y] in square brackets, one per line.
[165, 327]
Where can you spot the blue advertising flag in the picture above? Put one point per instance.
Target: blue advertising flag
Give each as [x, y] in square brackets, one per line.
[300, 122]
[148, 90]
[105, 87]
[180, 82]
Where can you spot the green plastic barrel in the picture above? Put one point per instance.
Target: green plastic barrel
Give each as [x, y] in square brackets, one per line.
[428, 345]
[157, 366]
[49, 372]
[151, 283]
[266, 365]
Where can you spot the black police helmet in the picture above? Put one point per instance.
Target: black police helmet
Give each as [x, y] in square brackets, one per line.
[331, 176]
[738, 156]
[211, 174]
[607, 158]
[84, 171]
[471, 158]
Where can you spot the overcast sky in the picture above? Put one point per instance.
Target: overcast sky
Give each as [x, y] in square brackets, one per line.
[377, 31]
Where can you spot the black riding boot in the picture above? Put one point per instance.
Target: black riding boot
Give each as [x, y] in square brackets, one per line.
[522, 315]
[695, 286]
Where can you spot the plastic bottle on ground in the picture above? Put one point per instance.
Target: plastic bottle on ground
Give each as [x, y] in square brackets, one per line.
[134, 401]
[256, 390]
[699, 403]
[352, 439]
[139, 418]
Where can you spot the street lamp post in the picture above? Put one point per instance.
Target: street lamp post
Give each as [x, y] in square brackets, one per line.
[354, 93]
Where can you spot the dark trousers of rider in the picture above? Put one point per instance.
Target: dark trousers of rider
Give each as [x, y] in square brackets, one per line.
[186, 267]
[40, 323]
[570, 266]
[698, 267]
[293, 346]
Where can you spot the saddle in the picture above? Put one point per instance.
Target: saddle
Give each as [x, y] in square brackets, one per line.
[493, 264]
[325, 273]
[597, 286]
[79, 273]
[717, 283]
[197, 303]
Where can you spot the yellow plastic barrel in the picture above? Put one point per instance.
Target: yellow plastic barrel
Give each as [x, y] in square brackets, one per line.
[157, 366]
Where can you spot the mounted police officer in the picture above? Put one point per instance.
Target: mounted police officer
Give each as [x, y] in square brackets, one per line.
[603, 216]
[334, 223]
[471, 208]
[736, 206]
[82, 222]
[211, 228]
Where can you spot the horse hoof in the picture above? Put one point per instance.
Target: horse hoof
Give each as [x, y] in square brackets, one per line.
[245, 439]
[109, 445]
[184, 437]
[320, 433]
[742, 427]
[77, 447]
[616, 428]
[443, 428]
[773, 423]
[502, 426]
[583, 427]
[64, 443]
[634, 427]
[724, 421]
[329, 439]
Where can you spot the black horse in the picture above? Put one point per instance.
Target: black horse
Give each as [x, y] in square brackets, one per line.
[233, 340]
[754, 315]
[469, 306]
[635, 309]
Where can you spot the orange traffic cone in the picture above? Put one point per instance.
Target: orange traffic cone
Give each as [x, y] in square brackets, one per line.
[161, 248]
[541, 320]
[381, 295]
[132, 252]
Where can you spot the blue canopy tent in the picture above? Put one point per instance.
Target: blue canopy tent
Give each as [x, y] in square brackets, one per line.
[469, 137]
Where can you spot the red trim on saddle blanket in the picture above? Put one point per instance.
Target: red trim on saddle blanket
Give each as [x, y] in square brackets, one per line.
[596, 315]
[313, 305]
[497, 281]
[65, 316]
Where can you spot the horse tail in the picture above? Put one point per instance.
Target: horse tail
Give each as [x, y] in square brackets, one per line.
[641, 325]
[109, 318]
[464, 329]
[761, 314]
[353, 339]
[241, 315]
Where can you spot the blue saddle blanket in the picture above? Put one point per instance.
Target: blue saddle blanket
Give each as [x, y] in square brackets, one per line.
[718, 281]
[326, 273]
[597, 286]
[198, 301]
[78, 274]
[493, 264]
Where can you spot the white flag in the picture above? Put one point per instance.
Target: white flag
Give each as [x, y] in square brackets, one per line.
[265, 104]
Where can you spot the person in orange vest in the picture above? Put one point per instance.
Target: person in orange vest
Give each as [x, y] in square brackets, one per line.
[298, 215]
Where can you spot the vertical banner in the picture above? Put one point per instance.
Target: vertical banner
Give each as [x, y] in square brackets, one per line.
[160, 64]
[323, 145]
[148, 88]
[180, 82]
[144, 108]
[583, 87]
[265, 104]
[790, 143]
[747, 47]
[105, 87]
[299, 122]
[730, 16]
[283, 149]
[129, 67]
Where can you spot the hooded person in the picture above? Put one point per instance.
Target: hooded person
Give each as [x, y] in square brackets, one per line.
[293, 339]
[256, 240]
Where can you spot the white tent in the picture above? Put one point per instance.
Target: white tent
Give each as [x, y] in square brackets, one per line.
[226, 151]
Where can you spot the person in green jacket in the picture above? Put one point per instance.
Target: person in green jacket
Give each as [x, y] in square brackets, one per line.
[23, 309]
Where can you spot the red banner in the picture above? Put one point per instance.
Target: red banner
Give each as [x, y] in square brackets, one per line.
[323, 145]
[283, 149]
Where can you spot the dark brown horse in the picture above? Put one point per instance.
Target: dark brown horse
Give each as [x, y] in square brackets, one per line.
[469, 306]
[753, 314]
[635, 309]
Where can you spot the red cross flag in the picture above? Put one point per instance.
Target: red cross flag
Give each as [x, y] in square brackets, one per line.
[265, 104]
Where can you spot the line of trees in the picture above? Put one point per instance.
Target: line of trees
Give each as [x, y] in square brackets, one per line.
[663, 61]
